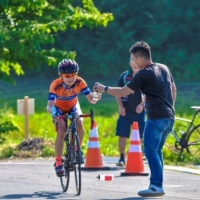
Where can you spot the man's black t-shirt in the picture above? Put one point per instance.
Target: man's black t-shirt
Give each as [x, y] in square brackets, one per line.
[155, 81]
[131, 101]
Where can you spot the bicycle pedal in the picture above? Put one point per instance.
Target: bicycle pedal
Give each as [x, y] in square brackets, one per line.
[60, 175]
[71, 169]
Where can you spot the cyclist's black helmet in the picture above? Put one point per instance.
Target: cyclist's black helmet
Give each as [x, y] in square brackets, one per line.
[68, 66]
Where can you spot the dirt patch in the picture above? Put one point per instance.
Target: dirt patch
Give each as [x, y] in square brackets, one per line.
[32, 144]
[32, 148]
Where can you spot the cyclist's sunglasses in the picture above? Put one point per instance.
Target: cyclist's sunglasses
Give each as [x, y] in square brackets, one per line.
[69, 75]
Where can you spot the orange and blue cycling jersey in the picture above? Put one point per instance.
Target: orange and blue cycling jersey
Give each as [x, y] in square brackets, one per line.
[66, 97]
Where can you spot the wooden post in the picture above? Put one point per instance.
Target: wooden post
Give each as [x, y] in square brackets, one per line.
[26, 107]
[26, 113]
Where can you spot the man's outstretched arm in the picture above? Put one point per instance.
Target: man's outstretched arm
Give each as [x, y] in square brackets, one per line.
[114, 91]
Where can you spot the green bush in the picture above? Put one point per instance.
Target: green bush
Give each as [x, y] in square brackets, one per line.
[48, 152]
[7, 152]
[6, 125]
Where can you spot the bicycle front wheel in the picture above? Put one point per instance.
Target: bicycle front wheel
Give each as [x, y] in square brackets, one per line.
[64, 180]
[77, 165]
[193, 143]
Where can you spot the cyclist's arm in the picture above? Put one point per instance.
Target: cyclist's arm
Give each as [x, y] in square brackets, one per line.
[50, 104]
[174, 92]
[90, 98]
[52, 96]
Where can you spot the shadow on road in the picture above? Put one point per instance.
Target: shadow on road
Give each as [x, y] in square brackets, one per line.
[134, 198]
[37, 195]
[57, 195]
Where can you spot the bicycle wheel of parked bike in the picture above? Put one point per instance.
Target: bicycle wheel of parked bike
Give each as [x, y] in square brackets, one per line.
[64, 180]
[193, 142]
[77, 164]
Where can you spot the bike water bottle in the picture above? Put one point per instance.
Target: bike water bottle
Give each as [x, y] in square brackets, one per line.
[106, 177]
[97, 95]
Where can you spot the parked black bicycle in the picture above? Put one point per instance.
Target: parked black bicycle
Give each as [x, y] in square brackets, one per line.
[72, 159]
[188, 140]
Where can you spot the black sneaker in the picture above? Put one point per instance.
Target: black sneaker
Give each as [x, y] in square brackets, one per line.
[59, 170]
[121, 162]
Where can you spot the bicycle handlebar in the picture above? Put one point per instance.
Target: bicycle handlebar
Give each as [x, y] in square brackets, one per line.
[196, 107]
[77, 116]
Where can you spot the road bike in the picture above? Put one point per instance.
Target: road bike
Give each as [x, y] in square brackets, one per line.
[72, 158]
[188, 141]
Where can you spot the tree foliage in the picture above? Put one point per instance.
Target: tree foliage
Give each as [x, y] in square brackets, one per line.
[170, 27]
[29, 30]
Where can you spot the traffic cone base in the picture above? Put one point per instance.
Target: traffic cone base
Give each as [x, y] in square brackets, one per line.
[135, 165]
[96, 168]
[134, 174]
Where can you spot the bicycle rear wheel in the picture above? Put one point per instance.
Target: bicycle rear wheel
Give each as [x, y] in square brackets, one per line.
[193, 143]
[77, 165]
[64, 180]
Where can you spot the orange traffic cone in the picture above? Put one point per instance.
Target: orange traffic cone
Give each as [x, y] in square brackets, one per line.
[135, 165]
[93, 156]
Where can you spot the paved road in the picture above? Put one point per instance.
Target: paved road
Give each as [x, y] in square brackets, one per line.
[36, 179]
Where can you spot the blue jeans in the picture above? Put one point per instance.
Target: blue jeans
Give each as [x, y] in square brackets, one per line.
[155, 135]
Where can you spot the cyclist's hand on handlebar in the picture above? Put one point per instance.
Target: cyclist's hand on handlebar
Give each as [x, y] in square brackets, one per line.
[55, 116]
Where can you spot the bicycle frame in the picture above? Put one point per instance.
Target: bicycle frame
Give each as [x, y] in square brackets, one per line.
[73, 127]
[72, 156]
[191, 126]
[183, 141]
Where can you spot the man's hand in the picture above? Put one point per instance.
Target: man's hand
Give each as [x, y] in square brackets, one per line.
[139, 108]
[122, 111]
[98, 87]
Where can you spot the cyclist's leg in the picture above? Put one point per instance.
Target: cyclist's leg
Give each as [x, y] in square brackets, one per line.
[81, 130]
[80, 127]
[59, 143]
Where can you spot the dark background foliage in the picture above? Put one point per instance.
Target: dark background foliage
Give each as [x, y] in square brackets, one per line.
[170, 27]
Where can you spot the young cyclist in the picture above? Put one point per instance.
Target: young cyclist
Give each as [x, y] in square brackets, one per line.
[63, 98]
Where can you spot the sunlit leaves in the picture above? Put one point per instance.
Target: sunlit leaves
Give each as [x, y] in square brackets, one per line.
[28, 29]
[6, 67]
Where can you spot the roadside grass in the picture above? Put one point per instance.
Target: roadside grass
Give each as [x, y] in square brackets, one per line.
[106, 115]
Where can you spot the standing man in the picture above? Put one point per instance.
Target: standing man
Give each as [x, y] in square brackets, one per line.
[131, 109]
[156, 82]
